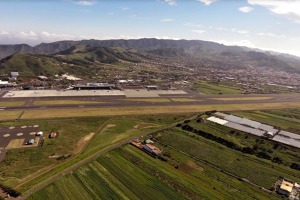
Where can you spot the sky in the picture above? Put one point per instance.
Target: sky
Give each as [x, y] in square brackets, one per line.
[265, 24]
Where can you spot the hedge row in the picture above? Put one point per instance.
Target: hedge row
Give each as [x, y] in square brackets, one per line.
[12, 192]
[229, 144]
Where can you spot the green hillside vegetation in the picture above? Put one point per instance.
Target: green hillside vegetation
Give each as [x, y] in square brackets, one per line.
[79, 60]
[209, 52]
[29, 65]
[89, 54]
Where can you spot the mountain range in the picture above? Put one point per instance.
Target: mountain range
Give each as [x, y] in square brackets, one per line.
[109, 51]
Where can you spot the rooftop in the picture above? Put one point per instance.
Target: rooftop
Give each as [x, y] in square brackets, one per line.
[286, 186]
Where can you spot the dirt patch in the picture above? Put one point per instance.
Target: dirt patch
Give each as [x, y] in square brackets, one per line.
[189, 167]
[15, 143]
[143, 125]
[82, 142]
[107, 127]
[110, 125]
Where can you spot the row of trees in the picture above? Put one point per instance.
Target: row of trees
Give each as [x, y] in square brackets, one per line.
[12, 192]
[229, 144]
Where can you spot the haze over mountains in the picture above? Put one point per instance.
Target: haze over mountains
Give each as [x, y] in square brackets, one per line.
[203, 52]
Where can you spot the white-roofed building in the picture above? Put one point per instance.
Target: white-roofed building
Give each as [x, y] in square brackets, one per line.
[249, 122]
[217, 120]
[233, 118]
[246, 129]
[268, 128]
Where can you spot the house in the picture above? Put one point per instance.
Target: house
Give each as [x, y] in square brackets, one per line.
[30, 142]
[4, 83]
[14, 75]
[286, 187]
[40, 133]
[148, 141]
[53, 135]
[43, 78]
[122, 81]
[152, 87]
[152, 149]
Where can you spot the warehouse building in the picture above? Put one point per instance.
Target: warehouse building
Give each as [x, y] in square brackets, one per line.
[94, 86]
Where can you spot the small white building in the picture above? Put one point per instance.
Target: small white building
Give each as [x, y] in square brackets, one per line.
[40, 133]
[30, 142]
[3, 82]
[14, 75]
[43, 78]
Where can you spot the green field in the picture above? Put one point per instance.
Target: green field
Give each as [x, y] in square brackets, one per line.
[128, 173]
[63, 102]
[70, 131]
[194, 168]
[71, 140]
[9, 115]
[209, 88]
[259, 171]
[121, 128]
[242, 98]
[148, 99]
[11, 103]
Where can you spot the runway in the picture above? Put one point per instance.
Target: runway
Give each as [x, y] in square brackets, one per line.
[123, 101]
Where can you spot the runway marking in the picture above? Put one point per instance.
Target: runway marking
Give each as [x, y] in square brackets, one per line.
[243, 98]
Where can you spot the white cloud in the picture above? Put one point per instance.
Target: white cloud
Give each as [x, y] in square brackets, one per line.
[198, 31]
[288, 8]
[54, 36]
[245, 43]
[221, 29]
[140, 18]
[207, 2]
[125, 8]
[31, 37]
[189, 24]
[239, 31]
[271, 35]
[171, 2]
[246, 9]
[233, 30]
[165, 38]
[167, 20]
[86, 2]
[242, 31]
[4, 33]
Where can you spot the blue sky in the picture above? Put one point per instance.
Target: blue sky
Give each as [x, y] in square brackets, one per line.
[266, 24]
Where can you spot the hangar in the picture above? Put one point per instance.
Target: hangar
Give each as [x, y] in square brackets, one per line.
[94, 86]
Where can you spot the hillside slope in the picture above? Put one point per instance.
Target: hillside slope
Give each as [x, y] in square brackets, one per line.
[76, 60]
[197, 52]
